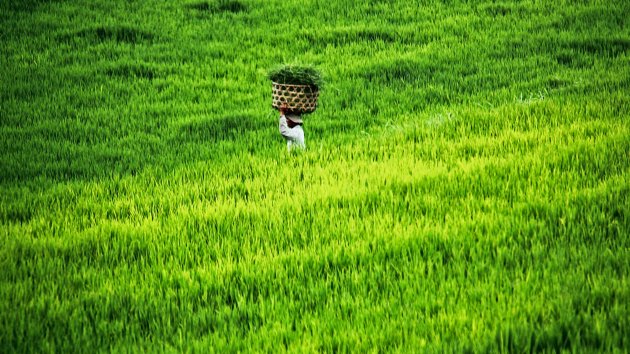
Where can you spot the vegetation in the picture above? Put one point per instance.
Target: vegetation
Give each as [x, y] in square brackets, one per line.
[296, 75]
[465, 187]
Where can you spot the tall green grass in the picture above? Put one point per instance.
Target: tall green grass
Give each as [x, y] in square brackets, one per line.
[465, 186]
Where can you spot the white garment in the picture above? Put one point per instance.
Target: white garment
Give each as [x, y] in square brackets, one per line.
[294, 136]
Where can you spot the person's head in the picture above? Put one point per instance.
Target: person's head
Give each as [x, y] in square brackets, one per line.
[293, 120]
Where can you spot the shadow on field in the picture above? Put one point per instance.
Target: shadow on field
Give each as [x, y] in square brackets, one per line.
[76, 151]
[340, 37]
[229, 127]
[579, 53]
[100, 34]
[26, 5]
[217, 7]
[439, 79]
[503, 9]
[133, 71]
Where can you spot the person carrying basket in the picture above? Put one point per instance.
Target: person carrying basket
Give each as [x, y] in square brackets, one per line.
[290, 126]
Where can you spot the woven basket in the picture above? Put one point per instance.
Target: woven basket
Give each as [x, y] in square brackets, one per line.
[299, 98]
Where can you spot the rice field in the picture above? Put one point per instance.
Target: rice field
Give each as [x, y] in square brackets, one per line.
[465, 186]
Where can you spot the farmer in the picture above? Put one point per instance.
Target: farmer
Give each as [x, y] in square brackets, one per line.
[290, 125]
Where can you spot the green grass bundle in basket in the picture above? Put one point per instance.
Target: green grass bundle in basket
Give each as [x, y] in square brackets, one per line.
[297, 87]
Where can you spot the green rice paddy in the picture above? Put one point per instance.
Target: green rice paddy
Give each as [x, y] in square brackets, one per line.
[465, 188]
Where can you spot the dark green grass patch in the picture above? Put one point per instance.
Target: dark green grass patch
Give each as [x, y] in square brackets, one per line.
[116, 33]
[231, 127]
[502, 9]
[26, 5]
[403, 71]
[348, 36]
[133, 71]
[604, 47]
[218, 6]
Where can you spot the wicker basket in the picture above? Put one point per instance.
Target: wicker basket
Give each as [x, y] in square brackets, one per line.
[299, 98]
